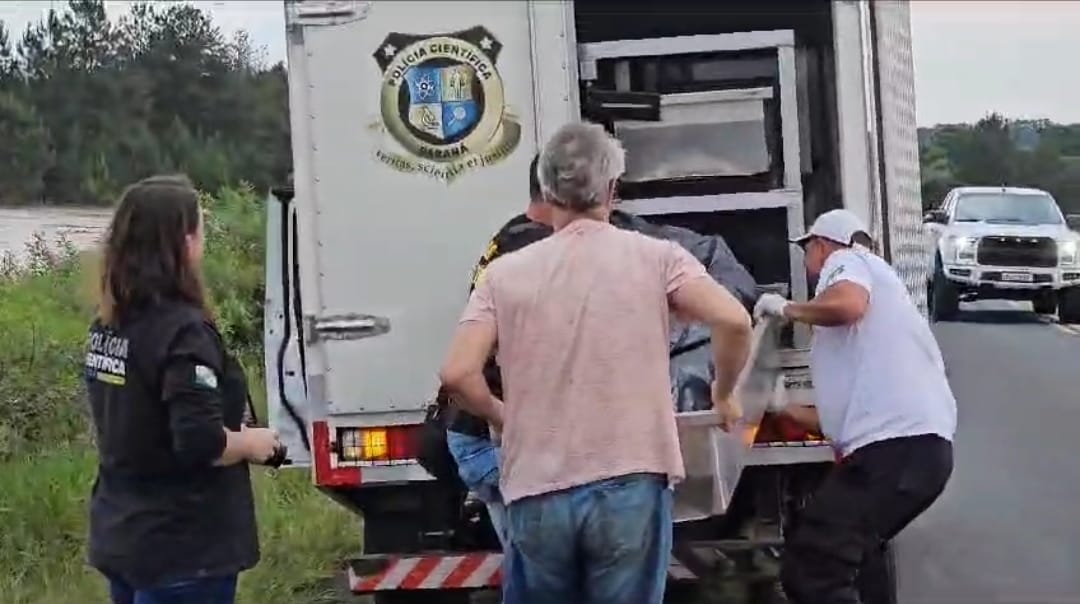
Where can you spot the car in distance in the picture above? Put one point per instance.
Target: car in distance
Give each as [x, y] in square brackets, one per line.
[1003, 243]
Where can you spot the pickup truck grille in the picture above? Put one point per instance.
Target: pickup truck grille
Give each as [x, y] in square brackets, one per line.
[1018, 251]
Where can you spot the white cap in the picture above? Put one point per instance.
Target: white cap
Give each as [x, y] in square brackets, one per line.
[835, 225]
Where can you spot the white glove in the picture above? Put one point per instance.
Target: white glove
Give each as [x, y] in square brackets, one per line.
[770, 305]
[779, 400]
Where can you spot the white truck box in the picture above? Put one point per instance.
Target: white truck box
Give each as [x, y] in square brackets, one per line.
[394, 199]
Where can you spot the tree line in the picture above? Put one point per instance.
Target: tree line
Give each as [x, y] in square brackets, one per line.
[89, 104]
[997, 151]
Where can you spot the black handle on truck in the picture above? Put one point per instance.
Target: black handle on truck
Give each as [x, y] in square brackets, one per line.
[290, 302]
[609, 106]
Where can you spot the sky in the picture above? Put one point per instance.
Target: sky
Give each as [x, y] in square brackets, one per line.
[971, 56]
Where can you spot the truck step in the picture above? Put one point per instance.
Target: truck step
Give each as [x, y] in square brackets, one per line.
[738, 545]
[444, 571]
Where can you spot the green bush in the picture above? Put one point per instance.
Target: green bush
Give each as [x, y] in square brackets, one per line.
[47, 463]
[43, 317]
[47, 303]
[235, 230]
[43, 503]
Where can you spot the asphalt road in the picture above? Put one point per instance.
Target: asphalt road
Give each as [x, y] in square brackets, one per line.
[1007, 528]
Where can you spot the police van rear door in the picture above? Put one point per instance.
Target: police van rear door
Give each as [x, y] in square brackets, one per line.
[413, 127]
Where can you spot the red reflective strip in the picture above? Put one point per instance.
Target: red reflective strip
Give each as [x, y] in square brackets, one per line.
[417, 575]
[325, 474]
[412, 573]
[464, 570]
[368, 584]
[372, 582]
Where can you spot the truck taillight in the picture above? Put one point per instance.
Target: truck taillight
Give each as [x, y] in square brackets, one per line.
[379, 445]
[780, 428]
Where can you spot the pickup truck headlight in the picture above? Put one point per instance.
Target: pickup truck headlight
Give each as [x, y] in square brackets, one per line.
[1067, 252]
[960, 250]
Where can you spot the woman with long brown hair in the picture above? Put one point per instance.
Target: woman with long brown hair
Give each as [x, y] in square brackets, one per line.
[172, 518]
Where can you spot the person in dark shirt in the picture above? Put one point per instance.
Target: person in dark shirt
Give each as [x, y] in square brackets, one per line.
[172, 517]
[468, 437]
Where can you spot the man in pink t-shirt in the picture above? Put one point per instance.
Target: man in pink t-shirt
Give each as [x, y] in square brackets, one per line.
[589, 445]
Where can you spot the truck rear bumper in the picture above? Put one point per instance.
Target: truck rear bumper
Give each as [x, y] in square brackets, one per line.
[370, 574]
[441, 572]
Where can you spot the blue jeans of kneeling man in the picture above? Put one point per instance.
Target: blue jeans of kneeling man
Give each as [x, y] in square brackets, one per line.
[478, 466]
[606, 542]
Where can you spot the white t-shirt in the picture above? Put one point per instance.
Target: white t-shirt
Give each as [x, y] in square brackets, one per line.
[882, 377]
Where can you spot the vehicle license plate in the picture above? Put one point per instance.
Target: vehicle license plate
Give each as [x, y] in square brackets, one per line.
[1017, 277]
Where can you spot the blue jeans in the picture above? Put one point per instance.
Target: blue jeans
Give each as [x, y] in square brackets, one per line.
[478, 466]
[216, 590]
[607, 542]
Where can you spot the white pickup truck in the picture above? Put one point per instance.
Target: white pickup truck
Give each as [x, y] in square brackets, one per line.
[1003, 243]
[413, 125]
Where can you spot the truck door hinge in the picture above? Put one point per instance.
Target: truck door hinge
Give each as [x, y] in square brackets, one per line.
[350, 326]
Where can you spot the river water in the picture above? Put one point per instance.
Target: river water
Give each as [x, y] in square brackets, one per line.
[82, 226]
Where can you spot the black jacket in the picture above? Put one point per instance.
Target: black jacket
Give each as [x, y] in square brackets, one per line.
[519, 232]
[161, 386]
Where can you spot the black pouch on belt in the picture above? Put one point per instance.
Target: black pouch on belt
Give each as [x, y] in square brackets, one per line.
[435, 454]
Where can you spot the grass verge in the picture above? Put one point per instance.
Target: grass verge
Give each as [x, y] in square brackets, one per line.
[42, 544]
[47, 459]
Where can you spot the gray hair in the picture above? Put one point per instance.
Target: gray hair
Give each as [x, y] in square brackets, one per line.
[578, 164]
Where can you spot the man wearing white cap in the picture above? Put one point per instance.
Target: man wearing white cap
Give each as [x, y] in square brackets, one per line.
[882, 399]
